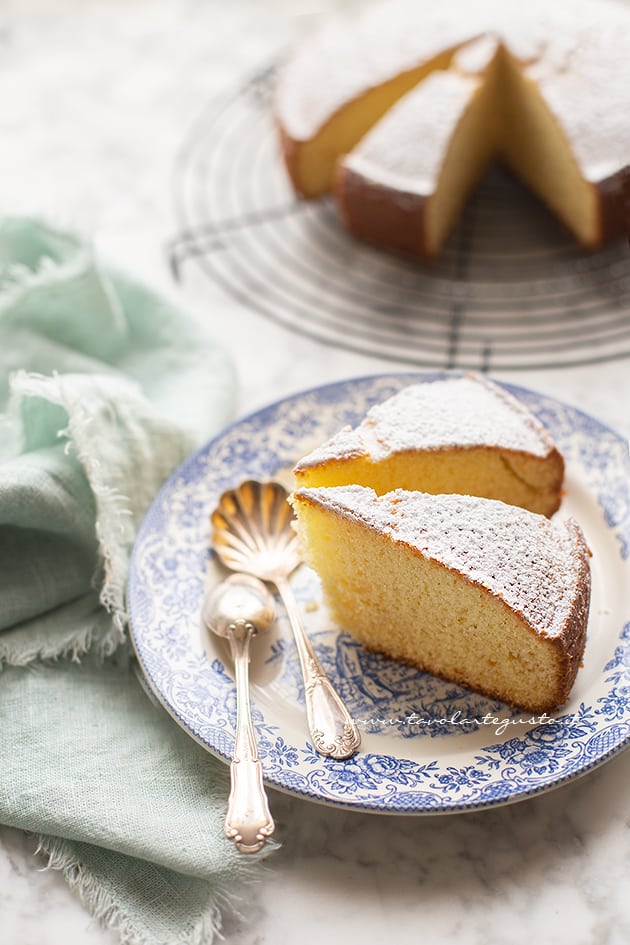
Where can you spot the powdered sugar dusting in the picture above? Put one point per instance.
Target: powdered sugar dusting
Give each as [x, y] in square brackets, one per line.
[458, 412]
[576, 50]
[352, 54]
[536, 566]
[405, 149]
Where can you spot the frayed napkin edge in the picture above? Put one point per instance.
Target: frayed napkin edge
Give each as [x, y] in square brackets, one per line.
[90, 640]
[102, 906]
[111, 505]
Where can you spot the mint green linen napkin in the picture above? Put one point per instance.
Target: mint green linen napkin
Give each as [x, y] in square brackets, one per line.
[104, 388]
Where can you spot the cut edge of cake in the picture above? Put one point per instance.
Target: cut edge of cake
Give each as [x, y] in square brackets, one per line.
[416, 578]
[497, 113]
[311, 163]
[549, 145]
[421, 442]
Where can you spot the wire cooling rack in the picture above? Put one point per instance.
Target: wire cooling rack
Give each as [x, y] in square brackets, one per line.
[511, 290]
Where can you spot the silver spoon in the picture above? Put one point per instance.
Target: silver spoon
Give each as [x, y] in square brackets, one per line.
[252, 532]
[238, 609]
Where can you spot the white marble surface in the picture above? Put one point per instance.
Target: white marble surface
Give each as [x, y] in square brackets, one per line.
[97, 96]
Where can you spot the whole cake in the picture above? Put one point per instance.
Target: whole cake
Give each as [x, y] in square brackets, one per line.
[462, 434]
[400, 110]
[486, 595]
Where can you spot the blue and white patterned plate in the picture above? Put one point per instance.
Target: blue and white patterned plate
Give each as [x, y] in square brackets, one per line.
[428, 746]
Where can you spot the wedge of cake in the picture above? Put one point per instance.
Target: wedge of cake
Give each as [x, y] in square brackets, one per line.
[403, 185]
[347, 76]
[484, 594]
[463, 434]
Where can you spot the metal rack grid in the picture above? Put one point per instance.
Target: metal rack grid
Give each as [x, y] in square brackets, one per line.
[511, 290]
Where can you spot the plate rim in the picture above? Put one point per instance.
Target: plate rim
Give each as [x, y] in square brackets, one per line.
[371, 804]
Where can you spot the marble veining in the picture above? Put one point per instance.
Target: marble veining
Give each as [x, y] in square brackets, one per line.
[539, 870]
[551, 869]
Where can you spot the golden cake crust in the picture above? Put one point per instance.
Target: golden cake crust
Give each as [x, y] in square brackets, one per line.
[514, 567]
[460, 434]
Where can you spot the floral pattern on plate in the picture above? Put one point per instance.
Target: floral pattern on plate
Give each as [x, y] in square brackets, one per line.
[428, 746]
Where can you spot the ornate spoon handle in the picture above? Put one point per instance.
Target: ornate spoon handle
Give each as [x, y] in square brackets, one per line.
[248, 822]
[330, 724]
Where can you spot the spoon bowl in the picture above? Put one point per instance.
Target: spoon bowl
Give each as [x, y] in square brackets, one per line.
[252, 530]
[240, 597]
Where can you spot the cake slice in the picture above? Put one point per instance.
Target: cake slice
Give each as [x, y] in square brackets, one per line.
[347, 76]
[486, 595]
[463, 434]
[404, 184]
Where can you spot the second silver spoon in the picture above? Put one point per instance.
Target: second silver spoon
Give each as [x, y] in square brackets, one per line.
[238, 609]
